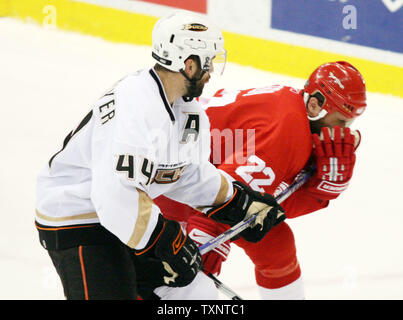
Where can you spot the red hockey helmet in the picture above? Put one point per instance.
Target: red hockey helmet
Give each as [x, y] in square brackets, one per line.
[338, 86]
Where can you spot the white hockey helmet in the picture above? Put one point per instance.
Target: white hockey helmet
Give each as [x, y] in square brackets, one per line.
[182, 34]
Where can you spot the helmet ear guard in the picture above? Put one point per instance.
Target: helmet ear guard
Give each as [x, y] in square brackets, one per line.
[183, 34]
[342, 87]
[321, 100]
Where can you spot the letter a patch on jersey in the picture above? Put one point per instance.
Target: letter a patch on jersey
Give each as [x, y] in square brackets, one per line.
[191, 128]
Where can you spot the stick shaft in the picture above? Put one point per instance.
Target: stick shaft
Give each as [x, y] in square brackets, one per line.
[223, 288]
[239, 227]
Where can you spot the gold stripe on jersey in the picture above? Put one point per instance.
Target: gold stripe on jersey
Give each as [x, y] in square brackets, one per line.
[82, 216]
[144, 213]
[222, 193]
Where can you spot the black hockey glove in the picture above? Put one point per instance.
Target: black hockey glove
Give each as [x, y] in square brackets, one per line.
[244, 203]
[180, 256]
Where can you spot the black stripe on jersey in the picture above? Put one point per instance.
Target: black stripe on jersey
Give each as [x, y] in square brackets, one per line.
[83, 122]
[162, 94]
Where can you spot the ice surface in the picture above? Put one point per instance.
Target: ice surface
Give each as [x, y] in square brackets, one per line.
[50, 78]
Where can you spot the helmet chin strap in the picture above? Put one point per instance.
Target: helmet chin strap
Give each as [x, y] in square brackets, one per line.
[321, 115]
[192, 80]
[322, 112]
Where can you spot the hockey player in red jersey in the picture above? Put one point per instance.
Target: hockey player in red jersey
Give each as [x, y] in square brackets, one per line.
[292, 128]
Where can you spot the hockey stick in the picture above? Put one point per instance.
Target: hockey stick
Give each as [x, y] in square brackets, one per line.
[223, 288]
[239, 227]
[230, 233]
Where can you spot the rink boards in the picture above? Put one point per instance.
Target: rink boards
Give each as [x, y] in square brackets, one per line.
[127, 22]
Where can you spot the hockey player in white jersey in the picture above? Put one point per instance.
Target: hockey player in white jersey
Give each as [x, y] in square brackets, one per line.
[143, 138]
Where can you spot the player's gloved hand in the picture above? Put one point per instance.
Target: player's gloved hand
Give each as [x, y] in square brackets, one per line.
[334, 154]
[202, 229]
[243, 204]
[180, 256]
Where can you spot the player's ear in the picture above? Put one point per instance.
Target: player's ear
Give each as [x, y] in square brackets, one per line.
[191, 66]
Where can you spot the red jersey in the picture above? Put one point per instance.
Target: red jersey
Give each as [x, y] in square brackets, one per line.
[261, 137]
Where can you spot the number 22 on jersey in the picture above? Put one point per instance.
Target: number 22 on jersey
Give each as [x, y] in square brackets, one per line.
[245, 172]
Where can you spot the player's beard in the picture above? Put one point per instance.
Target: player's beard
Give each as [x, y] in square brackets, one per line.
[196, 86]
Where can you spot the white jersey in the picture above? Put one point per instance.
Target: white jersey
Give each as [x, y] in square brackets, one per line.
[130, 148]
